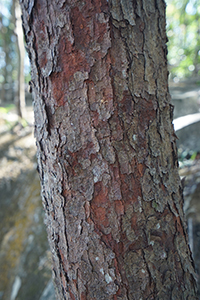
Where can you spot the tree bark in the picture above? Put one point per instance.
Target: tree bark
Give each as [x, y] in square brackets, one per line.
[106, 149]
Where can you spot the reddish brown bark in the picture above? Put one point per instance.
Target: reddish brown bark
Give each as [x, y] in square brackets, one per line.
[106, 149]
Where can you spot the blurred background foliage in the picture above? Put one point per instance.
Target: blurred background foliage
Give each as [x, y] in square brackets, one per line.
[183, 31]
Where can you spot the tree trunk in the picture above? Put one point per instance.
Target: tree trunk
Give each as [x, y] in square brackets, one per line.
[106, 149]
[20, 99]
[5, 33]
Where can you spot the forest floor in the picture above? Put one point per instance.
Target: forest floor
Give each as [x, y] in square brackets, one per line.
[25, 271]
[25, 263]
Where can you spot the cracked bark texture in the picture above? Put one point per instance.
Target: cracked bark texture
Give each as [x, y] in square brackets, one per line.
[106, 149]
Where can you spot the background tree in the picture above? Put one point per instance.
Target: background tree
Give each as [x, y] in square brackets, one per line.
[20, 101]
[106, 149]
[12, 56]
[7, 51]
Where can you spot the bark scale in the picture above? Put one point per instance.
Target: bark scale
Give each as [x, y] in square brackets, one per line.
[106, 149]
